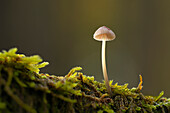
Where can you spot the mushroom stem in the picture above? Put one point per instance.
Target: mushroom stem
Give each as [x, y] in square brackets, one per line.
[104, 68]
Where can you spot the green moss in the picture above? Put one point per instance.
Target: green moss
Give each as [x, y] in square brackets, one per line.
[19, 60]
[24, 89]
[2, 105]
[138, 108]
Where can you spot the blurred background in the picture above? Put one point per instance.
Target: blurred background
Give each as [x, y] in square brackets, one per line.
[61, 32]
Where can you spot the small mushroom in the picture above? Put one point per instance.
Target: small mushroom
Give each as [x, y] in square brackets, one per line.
[104, 34]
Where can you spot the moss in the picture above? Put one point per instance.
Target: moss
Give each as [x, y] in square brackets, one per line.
[24, 89]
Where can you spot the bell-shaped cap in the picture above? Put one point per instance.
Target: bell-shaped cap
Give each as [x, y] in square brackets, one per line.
[104, 34]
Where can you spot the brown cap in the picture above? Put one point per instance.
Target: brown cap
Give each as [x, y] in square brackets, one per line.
[104, 33]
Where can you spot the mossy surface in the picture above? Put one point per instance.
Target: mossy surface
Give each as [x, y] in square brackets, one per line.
[24, 90]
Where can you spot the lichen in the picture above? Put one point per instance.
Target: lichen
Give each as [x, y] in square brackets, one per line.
[24, 89]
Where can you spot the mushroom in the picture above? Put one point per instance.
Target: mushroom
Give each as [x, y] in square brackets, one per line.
[104, 34]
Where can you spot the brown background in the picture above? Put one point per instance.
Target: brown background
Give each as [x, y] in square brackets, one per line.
[60, 31]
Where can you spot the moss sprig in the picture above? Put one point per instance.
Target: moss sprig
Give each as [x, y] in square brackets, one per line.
[33, 63]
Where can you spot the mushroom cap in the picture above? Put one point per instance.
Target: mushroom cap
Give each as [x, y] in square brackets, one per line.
[104, 34]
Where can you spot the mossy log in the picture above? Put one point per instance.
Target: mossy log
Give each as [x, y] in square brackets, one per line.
[24, 90]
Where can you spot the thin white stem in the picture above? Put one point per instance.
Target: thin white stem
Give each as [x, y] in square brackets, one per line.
[104, 68]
